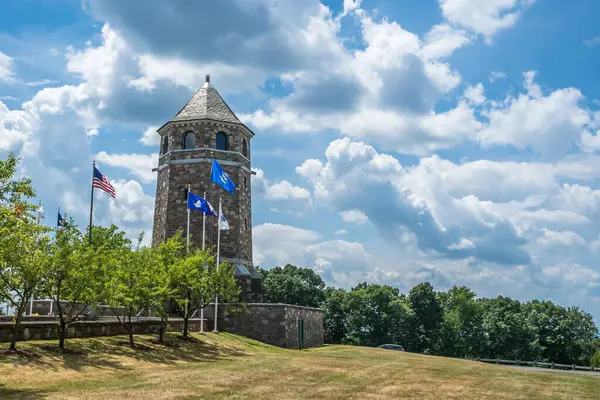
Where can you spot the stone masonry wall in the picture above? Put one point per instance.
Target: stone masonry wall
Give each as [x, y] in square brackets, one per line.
[49, 329]
[274, 324]
[314, 334]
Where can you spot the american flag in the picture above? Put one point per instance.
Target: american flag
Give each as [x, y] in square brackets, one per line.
[102, 183]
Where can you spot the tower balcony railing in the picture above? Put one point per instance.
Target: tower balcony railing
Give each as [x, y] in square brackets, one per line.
[203, 154]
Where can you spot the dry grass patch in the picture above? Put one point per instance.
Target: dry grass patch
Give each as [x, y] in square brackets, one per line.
[226, 366]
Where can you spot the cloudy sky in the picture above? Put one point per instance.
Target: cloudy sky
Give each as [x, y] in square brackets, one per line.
[397, 141]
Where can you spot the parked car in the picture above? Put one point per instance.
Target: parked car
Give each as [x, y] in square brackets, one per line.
[396, 347]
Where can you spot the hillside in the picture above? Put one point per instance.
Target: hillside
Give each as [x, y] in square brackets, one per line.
[227, 366]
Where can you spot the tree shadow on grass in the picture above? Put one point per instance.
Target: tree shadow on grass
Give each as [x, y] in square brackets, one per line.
[24, 394]
[109, 353]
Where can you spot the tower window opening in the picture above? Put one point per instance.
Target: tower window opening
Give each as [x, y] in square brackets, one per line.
[189, 141]
[222, 143]
[165, 145]
[245, 182]
[244, 148]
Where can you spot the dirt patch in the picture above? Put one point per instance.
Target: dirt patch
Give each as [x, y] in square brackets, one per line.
[66, 350]
[20, 353]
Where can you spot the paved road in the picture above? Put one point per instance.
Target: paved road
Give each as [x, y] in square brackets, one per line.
[565, 371]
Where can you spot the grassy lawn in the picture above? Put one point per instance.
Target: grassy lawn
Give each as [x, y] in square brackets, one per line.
[226, 366]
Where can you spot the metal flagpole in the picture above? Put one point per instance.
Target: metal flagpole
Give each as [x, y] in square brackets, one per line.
[188, 232]
[218, 250]
[202, 320]
[203, 244]
[39, 218]
[204, 223]
[92, 203]
[188, 218]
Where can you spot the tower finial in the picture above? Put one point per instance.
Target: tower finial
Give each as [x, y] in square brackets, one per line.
[207, 78]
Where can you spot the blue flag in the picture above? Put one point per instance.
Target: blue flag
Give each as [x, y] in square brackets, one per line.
[220, 177]
[61, 221]
[196, 202]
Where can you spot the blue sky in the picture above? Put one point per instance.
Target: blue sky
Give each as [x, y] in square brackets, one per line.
[454, 141]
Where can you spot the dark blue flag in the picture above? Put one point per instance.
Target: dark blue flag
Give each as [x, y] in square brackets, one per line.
[220, 177]
[61, 221]
[196, 202]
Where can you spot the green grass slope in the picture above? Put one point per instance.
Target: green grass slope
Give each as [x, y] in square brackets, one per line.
[224, 366]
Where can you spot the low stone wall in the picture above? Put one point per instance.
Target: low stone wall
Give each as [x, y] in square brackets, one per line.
[275, 324]
[40, 330]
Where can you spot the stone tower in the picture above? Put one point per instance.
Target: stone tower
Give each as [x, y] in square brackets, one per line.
[206, 128]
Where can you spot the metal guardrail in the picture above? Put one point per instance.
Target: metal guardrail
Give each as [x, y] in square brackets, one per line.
[537, 364]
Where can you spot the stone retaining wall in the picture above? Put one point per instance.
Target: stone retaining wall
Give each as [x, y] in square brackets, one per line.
[275, 324]
[40, 330]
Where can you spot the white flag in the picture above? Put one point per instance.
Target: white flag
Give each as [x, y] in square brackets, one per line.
[223, 224]
[41, 214]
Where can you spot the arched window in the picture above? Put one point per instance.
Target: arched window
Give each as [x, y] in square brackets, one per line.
[245, 148]
[222, 141]
[189, 141]
[165, 145]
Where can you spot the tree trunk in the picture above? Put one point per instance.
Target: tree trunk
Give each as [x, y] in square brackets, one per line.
[130, 329]
[161, 334]
[186, 318]
[63, 333]
[17, 327]
[61, 318]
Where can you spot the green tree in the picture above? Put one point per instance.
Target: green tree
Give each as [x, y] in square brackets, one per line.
[509, 332]
[130, 283]
[595, 361]
[461, 333]
[402, 322]
[428, 316]
[565, 334]
[293, 285]
[371, 314]
[13, 192]
[72, 276]
[194, 290]
[24, 244]
[335, 320]
[108, 239]
[166, 279]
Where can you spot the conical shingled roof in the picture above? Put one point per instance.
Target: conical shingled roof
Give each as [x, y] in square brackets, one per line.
[207, 103]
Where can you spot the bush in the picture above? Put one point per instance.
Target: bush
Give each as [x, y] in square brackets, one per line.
[596, 359]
